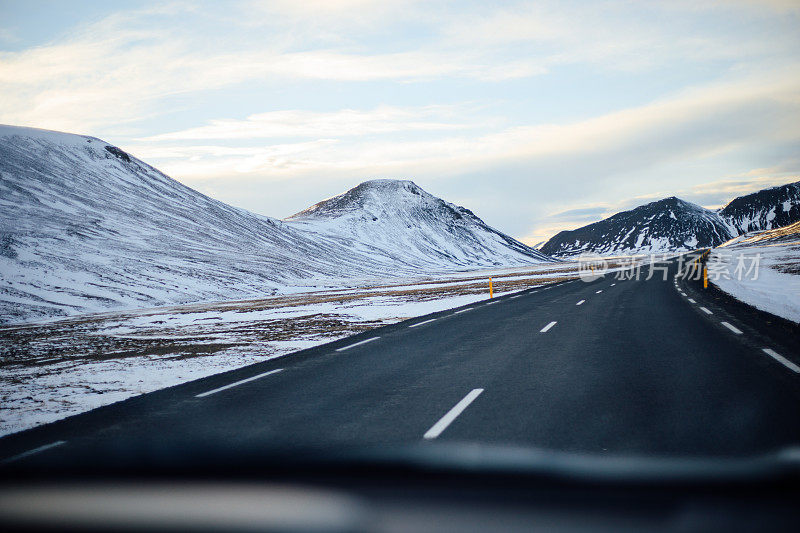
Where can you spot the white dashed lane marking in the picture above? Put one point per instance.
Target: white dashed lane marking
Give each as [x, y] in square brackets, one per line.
[452, 414]
[226, 387]
[356, 344]
[421, 323]
[781, 359]
[580, 303]
[33, 451]
[732, 328]
[548, 327]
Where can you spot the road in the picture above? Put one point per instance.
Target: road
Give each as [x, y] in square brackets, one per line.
[608, 366]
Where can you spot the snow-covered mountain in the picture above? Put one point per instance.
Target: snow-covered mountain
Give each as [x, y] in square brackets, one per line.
[85, 226]
[673, 225]
[666, 225]
[766, 209]
[414, 227]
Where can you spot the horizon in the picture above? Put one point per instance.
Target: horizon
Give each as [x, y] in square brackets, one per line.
[540, 117]
[633, 204]
[718, 207]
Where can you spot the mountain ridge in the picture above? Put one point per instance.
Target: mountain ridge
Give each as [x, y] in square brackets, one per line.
[634, 232]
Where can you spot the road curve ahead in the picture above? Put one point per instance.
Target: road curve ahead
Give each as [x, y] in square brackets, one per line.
[608, 366]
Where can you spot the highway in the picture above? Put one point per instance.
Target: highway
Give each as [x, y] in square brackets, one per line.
[610, 366]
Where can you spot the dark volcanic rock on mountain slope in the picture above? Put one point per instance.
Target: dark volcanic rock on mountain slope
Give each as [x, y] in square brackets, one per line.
[766, 209]
[674, 225]
[669, 224]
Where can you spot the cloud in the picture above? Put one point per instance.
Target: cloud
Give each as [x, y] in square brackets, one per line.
[703, 121]
[591, 214]
[127, 66]
[346, 122]
[531, 181]
[133, 65]
[626, 36]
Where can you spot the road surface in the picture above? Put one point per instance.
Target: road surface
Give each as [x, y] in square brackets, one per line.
[608, 366]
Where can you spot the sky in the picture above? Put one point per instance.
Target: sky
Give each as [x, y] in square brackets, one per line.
[537, 116]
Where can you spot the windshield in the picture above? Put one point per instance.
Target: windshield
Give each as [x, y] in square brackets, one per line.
[542, 228]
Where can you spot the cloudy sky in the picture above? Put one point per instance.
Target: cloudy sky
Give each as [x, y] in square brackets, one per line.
[539, 116]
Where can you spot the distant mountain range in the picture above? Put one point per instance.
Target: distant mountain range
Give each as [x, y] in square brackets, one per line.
[84, 226]
[673, 224]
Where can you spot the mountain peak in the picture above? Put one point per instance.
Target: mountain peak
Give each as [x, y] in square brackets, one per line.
[385, 183]
[50, 136]
[400, 215]
[368, 195]
[669, 224]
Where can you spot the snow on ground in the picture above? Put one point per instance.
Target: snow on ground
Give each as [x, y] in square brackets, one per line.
[56, 368]
[762, 270]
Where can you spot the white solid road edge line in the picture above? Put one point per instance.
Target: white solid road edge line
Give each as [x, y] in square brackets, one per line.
[706, 310]
[781, 359]
[214, 391]
[33, 451]
[548, 326]
[580, 303]
[420, 323]
[343, 348]
[732, 328]
[451, 415]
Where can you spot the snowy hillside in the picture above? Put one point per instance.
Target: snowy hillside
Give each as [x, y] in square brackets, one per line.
[86, 227]
[413, 226]
[674, 225]
[773, 284]
[666, 225]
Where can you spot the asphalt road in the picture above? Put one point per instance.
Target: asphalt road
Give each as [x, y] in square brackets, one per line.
[608, 366]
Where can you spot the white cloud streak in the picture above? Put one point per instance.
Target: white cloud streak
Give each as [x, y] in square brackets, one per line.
[347, 122]
[763, 109]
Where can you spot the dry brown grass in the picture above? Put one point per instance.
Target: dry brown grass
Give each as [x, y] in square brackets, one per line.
[92, 338]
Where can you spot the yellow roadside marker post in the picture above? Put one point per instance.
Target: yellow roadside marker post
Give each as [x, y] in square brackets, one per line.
[491, 289]
[705, 278]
